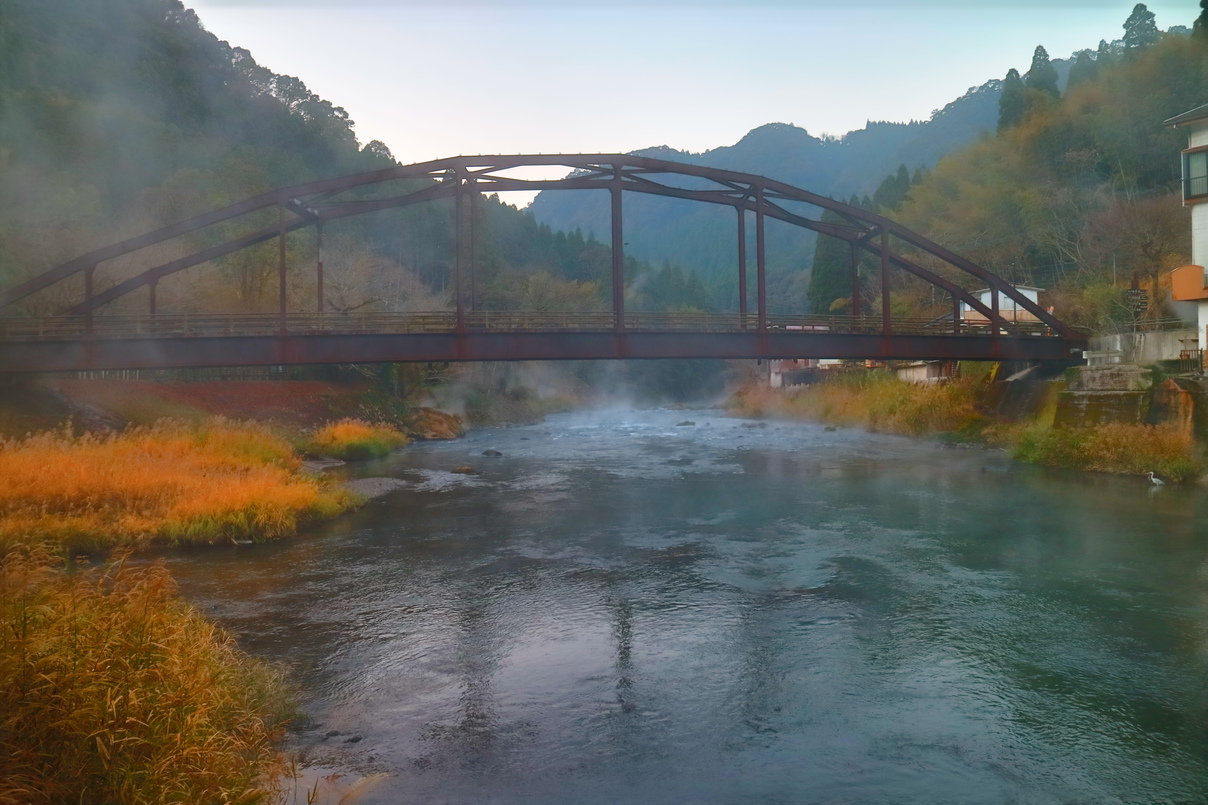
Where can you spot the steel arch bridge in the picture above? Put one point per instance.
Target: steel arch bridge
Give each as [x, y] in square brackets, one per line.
[85, 338]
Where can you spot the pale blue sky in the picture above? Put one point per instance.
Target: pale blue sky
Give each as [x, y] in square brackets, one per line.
[496, 76]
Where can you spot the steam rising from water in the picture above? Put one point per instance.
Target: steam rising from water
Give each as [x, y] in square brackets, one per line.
[621, 608]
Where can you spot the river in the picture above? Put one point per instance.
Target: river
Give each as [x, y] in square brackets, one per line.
[625, 609]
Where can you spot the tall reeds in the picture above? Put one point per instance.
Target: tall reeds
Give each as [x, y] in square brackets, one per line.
[1126, 449]
[114, 690]
[169, 482]
[354, 440]
[877, 401]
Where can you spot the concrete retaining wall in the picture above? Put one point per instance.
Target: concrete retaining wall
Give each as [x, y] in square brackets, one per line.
[1146, 348]
[1095, 395]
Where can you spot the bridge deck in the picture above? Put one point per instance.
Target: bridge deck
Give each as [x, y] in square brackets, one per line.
[72, 343]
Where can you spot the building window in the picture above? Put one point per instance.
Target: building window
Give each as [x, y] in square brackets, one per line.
[1195, 174]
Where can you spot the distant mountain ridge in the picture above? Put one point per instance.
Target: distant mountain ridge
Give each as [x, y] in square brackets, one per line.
[702, 238]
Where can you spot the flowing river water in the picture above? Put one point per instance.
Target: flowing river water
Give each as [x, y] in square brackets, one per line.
[624, 609]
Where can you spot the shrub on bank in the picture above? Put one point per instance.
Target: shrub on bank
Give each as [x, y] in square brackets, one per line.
[114, 690]
[354, 440]
[168, 482]
[877, 401]
[1115, 447]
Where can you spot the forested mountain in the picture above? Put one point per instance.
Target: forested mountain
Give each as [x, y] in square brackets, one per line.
[1078, 192]
[702, 237]
[123, 116]
[1072, 185]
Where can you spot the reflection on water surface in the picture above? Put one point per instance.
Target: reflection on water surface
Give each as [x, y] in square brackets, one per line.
[622, 610]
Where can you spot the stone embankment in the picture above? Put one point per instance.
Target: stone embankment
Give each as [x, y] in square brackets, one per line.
[1089, 396]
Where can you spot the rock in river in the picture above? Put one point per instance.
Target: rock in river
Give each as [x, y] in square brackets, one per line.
[428, 423]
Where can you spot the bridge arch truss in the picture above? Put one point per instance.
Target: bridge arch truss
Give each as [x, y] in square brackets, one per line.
[755, 199]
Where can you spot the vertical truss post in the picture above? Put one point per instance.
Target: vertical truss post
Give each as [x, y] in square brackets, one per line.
[760, 260]
[151, 296]
[319, 267]
[742, 264]
[281, 264]
[855, 281]
[471, 203]
[459, 232]
[886, 323]
[618, 254]
[88, 272]
[995, 317]
[956, 314]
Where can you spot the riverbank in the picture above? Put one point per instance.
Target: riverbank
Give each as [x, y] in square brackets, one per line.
[171, 482]
[961, 411]
[114, 689]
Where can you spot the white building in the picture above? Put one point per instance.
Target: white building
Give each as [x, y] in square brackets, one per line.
[1008, 308]
[1188, 282]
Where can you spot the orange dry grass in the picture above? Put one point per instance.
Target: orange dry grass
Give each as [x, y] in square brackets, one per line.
[114, 690]
[168, 482]
[355, 439]
[877, 401]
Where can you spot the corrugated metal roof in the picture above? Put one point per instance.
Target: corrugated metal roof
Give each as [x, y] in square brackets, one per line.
[1198, 113]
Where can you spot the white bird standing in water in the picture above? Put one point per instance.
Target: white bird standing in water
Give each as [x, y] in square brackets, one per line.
[1155, 480]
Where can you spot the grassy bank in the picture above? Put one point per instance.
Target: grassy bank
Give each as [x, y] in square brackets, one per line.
[114, 690]
[878, 401]
[170, 483]
[1114, 447]
[354, 440]
[111, 688]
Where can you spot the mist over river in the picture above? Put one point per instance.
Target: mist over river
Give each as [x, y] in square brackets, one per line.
[623, 609]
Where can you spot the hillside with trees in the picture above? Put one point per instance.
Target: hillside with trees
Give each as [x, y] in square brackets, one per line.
[1077, 192]
[702, 238]
[165, 121]
[1072, 185]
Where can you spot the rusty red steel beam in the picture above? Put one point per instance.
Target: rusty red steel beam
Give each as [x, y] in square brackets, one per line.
[281, 196]
[203, 256]
[433, 171]
[431, 193]
[868, 242]
[450, 190]
[618, 251]
[267, 233]
[275, 350]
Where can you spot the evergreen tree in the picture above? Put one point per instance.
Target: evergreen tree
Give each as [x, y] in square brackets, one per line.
[1042, 75]
[1104, 55]
[1140, 30]
[1011, 103]
[1084, 69]
[830, 277]
[892, 190]
[1200, 29]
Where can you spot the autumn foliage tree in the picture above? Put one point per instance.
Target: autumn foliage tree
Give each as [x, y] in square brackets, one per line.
[1077, 194]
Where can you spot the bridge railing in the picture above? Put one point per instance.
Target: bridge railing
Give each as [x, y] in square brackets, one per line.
[181, 325]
